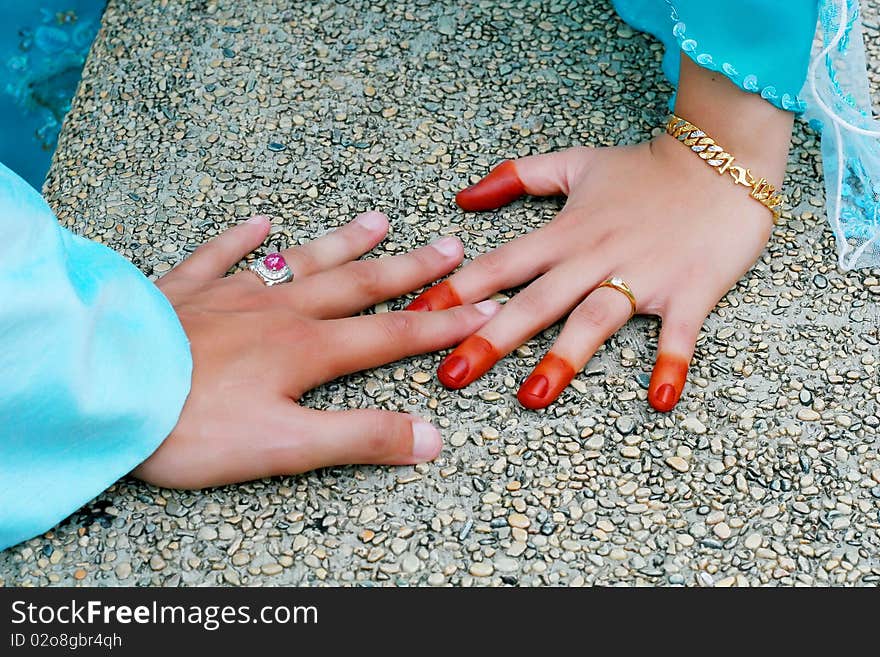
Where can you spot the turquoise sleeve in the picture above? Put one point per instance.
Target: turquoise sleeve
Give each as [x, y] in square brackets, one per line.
[94, 367]
[762, 46]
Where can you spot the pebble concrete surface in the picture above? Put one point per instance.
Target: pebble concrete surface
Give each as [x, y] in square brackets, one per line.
[194, 115]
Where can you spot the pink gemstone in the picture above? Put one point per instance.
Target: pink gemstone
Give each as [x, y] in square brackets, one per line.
[274, 262]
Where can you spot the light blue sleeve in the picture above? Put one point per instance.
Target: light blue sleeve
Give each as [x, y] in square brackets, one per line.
[763, 46]
[94, 366]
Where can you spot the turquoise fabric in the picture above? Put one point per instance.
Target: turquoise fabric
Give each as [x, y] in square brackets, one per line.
[95, 366]
[763, 47]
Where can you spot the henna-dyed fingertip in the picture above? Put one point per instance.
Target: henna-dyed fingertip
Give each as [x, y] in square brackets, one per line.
[664, 398]
[453, 372]
[533, 392]
[667, 381]
[419, 306]
[546, 383]
[470, 360]
[501, 186]
[439, 297]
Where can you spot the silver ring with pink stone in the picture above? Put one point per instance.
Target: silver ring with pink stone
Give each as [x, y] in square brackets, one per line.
[272, 269]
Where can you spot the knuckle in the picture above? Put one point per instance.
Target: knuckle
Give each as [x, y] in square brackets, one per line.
[531, 302]
[399, 326]
[302, 262]
[375, 445]
[604, 241]
[290, 329]
[203, 251]
[426, 258]
[350, 236]
[368, 278]
[591, 317]
[683, 327]
[492, 264]
[386, 438]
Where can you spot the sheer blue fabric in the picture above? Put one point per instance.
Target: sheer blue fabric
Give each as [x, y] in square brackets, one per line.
[95, 366]
[765, 47]
[839, 105]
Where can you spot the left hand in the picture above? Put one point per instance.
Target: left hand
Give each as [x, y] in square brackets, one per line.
[655, 215]
[256, 350]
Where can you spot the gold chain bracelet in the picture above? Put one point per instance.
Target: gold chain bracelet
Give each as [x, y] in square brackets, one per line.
[722, 161]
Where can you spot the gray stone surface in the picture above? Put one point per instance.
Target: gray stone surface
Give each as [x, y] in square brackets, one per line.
[194, 115]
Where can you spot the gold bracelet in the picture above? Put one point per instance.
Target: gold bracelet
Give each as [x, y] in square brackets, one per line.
[722, 161]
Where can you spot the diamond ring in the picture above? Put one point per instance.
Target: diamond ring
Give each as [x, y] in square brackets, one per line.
[272, 269]
[617, 283]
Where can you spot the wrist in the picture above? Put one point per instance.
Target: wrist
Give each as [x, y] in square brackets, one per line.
[747, 126]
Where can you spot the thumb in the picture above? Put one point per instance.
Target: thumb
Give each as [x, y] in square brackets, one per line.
[367, 436]
[541, 175]
[678, 338]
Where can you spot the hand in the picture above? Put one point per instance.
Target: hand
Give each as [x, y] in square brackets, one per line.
[257, 349]
[654, 215]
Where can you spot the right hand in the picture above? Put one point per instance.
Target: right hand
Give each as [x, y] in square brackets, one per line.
[256, 350]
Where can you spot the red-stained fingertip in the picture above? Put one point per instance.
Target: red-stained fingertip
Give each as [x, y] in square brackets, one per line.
[546, 382]
[500, 187]
[667, 382]
[470, 360]
[439, 297]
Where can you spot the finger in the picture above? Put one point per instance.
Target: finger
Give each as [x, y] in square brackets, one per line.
[541, 175]
[678, 338]
[532, 310]
[365, 436]
[348, 289]
[507, 266]
[338, 246]
[289, 439]
[358, 343]
[215, 257]
[596, 319]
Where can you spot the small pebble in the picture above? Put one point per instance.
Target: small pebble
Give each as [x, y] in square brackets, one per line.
[677, 463]
[481, 569]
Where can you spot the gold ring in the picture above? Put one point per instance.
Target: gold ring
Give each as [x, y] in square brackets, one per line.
[617, 283]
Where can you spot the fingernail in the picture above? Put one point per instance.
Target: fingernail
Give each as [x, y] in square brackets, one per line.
[488, 307]
[535, 386]
[671, 369]
[419, 306]
[470, 360]
[258, 219]
[448, 246]
[372, 220]
[546, 383]
[665, 398]
[426, 441]
[453, 371]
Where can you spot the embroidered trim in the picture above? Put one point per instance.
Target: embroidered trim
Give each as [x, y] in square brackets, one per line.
[748, 82]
